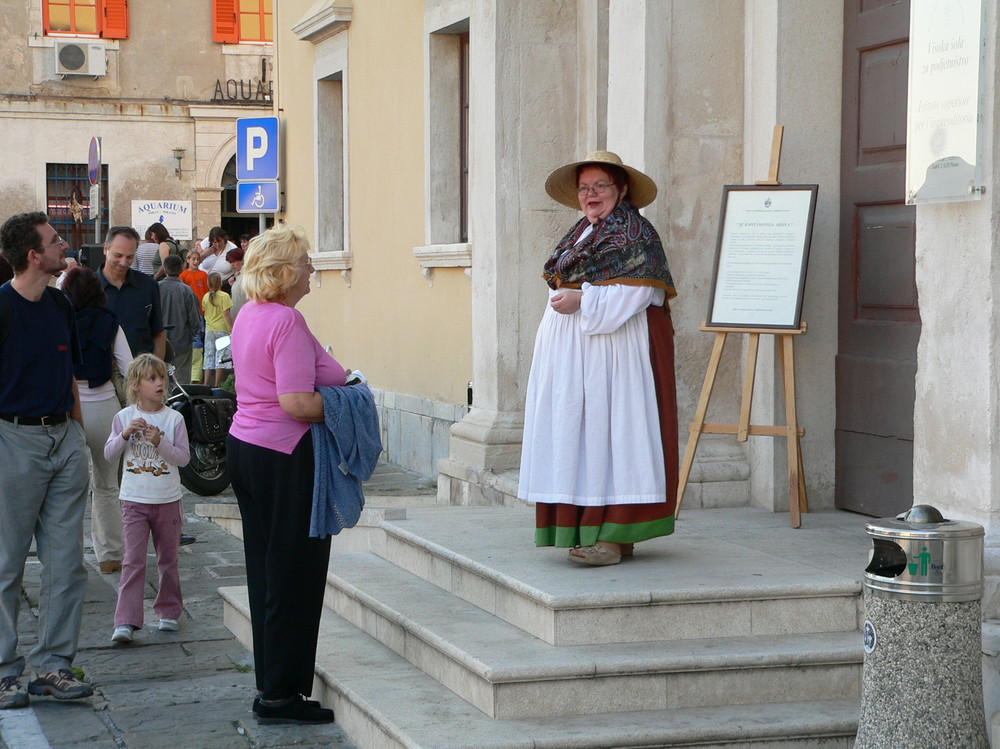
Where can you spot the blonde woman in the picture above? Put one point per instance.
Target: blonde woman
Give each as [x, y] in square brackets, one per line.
[279, 364]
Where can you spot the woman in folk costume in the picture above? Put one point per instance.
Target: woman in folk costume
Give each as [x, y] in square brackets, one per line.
[600, 458]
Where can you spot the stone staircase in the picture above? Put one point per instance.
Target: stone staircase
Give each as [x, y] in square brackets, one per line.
[445, 628]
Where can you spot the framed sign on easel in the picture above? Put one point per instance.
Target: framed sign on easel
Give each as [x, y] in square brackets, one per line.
[758, 284]
[761, 256]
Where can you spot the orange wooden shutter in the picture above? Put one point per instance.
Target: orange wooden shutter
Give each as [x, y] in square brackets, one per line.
[225, 22]
[115, 19]
[45, 16]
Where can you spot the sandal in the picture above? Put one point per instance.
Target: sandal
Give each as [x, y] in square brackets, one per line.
[597, 555]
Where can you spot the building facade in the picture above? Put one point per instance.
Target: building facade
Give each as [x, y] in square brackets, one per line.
[419, 137]
[160, 85]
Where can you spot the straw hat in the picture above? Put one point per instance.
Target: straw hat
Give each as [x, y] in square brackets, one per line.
[561, 184]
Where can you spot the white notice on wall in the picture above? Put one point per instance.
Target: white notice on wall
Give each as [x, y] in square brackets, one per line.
[943, 145]
[175, 215]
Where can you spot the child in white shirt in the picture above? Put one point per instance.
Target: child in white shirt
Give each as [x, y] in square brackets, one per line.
[154, 441]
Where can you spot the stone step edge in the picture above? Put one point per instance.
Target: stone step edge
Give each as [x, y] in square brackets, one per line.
[583, 601]
[371, 515]
[833, 648]
[714, 726]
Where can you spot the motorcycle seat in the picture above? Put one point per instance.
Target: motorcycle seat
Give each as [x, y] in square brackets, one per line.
[195, 389]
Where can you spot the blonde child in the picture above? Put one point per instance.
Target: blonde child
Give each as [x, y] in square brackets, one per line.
[218, 323]
[154, 442]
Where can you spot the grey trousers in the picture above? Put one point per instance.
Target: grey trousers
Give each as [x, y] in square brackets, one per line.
[106, 508]
[182, 366]
[43, 493]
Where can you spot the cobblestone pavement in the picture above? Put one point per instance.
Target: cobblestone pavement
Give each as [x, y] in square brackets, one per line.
[192, 688]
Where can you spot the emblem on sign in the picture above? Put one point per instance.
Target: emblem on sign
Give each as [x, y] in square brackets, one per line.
[871, 638]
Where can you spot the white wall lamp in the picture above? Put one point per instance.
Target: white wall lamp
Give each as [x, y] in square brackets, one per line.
[179, 155]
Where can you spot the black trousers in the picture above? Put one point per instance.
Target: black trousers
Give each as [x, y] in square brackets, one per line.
[286, 570]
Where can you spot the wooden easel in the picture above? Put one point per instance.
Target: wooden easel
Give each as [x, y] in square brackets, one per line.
[798, 500]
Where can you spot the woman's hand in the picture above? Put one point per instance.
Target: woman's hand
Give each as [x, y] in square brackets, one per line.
[566, 302]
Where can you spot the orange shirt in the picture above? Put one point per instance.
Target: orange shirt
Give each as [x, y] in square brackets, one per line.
[198, 281]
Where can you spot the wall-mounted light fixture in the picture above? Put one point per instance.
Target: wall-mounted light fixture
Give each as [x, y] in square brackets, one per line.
[179, 155]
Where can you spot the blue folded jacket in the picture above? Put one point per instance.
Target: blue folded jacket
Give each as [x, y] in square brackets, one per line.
[346, 446]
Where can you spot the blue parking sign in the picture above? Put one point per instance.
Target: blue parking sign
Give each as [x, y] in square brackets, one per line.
[257, 197]
[257, 147]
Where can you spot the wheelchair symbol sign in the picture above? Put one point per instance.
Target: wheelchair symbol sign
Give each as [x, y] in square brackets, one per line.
[257, 197]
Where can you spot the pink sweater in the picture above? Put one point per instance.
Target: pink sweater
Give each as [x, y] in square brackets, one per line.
[274, 353]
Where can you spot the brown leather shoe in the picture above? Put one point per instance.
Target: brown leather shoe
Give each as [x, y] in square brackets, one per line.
[110, 566]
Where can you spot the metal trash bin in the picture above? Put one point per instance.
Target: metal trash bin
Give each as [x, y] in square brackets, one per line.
[922, 684]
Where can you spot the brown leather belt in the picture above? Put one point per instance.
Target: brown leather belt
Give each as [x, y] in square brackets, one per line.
[43, 421]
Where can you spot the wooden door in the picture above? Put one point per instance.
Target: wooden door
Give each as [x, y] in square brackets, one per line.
[879, 321]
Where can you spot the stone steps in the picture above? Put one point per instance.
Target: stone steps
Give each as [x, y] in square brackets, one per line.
[667, 591]
[445, 628]
[508, 673]
[385, 702]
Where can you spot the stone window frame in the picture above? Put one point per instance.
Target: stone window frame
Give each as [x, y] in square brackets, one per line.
[325, 27]
[444, 25]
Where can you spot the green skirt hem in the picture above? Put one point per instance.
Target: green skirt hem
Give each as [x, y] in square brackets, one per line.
[617, 533]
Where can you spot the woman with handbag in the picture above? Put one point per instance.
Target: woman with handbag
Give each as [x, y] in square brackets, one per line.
[103, 346]
[599, 457]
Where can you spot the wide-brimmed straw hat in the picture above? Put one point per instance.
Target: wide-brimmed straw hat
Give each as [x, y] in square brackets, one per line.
[561, 184]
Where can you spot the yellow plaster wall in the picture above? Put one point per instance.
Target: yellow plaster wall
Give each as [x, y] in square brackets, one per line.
[293, 98]
[405, 336]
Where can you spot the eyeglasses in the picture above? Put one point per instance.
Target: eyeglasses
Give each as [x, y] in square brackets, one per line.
[57, 242]
[599, 189]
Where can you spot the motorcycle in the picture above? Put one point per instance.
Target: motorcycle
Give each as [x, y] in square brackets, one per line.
[208, 413]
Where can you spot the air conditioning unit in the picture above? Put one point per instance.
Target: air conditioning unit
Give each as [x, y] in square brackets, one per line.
[81, 57]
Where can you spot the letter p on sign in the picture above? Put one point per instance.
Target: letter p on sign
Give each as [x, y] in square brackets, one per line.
[257, 147]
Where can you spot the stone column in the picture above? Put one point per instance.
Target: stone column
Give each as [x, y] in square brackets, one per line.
[675, 110]
[794, 57]
[523, 115]
[956, 416]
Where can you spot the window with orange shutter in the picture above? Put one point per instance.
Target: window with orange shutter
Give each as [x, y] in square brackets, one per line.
[246, 21]
[98, 18]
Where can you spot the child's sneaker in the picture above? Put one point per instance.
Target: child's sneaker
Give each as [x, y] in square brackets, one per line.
[122, 633]
[168, 625]
[12, 693]
[61, 684]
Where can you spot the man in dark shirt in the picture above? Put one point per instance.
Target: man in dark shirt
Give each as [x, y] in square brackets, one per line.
[44, 479]
[180, 314]
[132, 295]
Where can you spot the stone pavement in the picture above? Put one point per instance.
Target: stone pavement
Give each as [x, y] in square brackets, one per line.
[192, 688]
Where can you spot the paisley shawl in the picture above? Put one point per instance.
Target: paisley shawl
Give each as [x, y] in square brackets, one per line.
[624, 248]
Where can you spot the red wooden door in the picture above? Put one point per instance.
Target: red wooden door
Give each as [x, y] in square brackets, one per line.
[879, 321]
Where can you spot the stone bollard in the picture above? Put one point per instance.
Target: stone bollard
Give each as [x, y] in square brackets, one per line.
[922, 684]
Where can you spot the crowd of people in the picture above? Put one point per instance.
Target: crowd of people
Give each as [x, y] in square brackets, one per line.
[599, 458]
[84, 379]
[83, 388]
